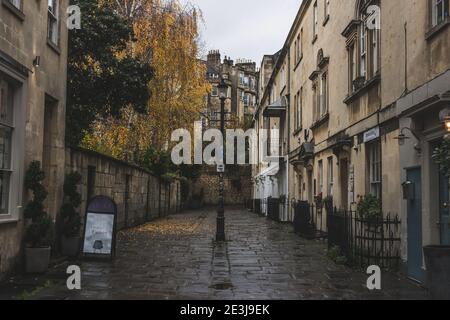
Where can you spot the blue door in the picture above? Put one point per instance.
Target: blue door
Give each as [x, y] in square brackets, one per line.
[415, 255]
[444, 210]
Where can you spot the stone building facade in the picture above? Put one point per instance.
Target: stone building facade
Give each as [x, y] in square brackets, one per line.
[242, 79]
[33, 64]
[354, 80]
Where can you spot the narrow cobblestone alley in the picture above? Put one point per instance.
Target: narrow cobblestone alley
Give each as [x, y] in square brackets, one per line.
[176, 258]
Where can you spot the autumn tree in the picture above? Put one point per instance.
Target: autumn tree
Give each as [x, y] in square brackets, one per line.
[166, 36]
[103, 78]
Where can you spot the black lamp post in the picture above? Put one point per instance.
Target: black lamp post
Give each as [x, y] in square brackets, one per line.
[220, 233]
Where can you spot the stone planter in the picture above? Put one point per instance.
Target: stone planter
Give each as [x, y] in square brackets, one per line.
[37, 260]
[437, 261]
[70, 246]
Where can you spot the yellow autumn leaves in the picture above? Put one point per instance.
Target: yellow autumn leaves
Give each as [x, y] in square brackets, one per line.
[166, 35]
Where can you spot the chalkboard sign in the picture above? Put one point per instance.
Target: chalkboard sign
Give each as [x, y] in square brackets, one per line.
[100, 228]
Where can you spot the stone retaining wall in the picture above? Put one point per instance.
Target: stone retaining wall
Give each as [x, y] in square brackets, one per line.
[139, 195]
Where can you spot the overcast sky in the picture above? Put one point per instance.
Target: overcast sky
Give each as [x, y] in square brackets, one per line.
[247, 28]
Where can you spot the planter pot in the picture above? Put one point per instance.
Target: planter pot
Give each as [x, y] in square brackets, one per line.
[437, 261]
[37, 260]
[70, 246]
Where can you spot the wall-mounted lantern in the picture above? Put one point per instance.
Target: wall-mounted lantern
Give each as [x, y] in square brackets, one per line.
[37, 62]
[408, 190]
[444, 117]
[402, 137]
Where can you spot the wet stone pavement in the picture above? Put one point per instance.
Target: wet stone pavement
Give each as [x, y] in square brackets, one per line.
[176, 258]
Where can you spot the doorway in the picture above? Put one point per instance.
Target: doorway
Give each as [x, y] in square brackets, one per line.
[343, 169]
[415, 254]
[444, 209]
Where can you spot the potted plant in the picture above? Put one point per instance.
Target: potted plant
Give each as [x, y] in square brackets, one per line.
[40, 229]
[437, 257]
[369, 208]
[318, 200]
[71, 220]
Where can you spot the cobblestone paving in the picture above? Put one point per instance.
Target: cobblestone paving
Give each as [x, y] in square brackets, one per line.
[176, 258]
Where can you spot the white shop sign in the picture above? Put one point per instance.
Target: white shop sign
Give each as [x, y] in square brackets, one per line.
[372, 134]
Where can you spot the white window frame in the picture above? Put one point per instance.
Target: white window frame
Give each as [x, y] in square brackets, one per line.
[363, 51]
[330, 177]
[436, 18]
[53, 33]
[375, 167]
[320, 178]
[17, 146]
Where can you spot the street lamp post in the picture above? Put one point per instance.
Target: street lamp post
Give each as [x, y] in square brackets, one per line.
[220, 232]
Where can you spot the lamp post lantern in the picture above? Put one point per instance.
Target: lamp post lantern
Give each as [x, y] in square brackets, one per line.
[220, 232]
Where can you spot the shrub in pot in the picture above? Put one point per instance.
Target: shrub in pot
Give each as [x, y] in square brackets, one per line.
[369, 208]
[40, 229]
[71, 220]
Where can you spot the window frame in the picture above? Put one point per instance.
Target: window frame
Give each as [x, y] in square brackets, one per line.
[53, 17]
[330, 176]
[315, 21]
[374, 168]
[17, 164]
[15, 10]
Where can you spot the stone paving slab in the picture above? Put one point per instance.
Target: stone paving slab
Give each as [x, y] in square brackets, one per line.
[176, 258]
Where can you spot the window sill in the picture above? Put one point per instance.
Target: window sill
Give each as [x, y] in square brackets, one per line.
[16, 12]
[324, 119]
[434, 31]
[326, 20]
[54, 47]
[369, 83]
[8, 220]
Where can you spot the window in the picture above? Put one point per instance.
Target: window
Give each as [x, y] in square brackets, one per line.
[6, 135]
[324, 94]
[296, 58]
[16, 3]
[363, 46]
[439, 12]
[363, 52]
[53, 21]
[327, 9]
[320, 178]
[241, 78]
[352, 66]
[330, 177]
[317, 103]
[298, 109]
[374, 159]
[301, 42]
[214, 91]
[315, 21]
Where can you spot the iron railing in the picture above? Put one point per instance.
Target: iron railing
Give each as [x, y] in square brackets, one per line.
[310, 220]
[363, 241]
